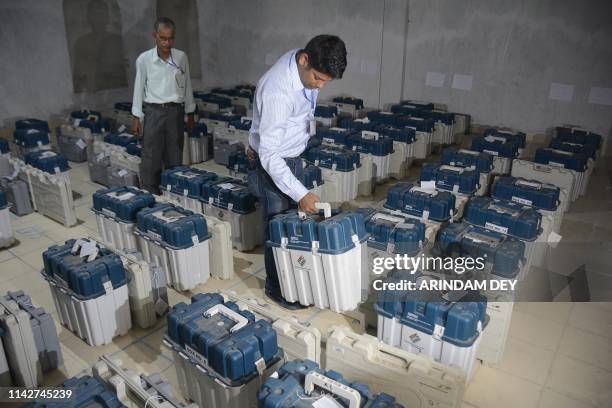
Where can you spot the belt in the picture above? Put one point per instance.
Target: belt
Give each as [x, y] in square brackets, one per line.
[163, 105]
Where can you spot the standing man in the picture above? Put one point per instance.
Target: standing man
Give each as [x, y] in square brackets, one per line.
[283, 121]
[162, 95]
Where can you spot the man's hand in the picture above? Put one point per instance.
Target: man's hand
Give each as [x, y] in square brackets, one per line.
[136, 126]
[307, 203]
[190, 123]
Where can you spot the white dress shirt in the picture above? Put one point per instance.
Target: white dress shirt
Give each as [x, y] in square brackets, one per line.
[282, 110]
[159, 81]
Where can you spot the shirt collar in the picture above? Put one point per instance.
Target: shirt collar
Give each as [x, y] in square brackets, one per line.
[155, 57]
[294, 75]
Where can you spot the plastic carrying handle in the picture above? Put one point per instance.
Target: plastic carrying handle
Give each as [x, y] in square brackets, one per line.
[223, 310]
[314, 378]
[369, 135]
[326, 207]
[526, 183]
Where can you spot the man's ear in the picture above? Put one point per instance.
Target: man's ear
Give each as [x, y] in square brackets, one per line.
[154, 35]
[303, 60]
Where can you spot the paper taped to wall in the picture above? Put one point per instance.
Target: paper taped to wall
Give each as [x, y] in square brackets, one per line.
[463, 82]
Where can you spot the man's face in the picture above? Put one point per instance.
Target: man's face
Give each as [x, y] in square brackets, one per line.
[164, 38]
[310, 77]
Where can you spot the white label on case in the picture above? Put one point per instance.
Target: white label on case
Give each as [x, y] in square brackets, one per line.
[121, 128]
[81, 144]
[57, 170]
[122, 172]
[428, 185]
[491, 152]
[552, 163]
[496, 228]
[77, 122]
[522, 201]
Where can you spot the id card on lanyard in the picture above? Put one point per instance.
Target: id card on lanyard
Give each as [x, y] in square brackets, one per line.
[312, 124]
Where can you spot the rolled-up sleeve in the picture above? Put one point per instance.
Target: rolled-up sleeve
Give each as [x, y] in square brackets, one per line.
[189, 101]
[275, 111]
[139, 87]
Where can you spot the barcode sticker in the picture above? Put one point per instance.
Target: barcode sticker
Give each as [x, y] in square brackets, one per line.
[496, 228]
[522, 200]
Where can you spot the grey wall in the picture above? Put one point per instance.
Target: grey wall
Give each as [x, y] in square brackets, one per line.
[513, 51]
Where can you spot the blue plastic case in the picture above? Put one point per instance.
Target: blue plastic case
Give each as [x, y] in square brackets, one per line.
[47, 161]
[311, 175]
[185, 181]
[560, 158]
[410, 199]
[527, 192]
[122, 203]
[454, 156]
[403, 135]
[32, 123]
[221, 101]
[506, 217]
[407, 236]
[30, 138]
[451, 178]
[85, 280]
[349, 100]
[121, 139]
[174, 227]
[232, 354]
[579, 136]
[325, 111]
[588, 150]
[87, 392]
[333, 234]
[418, 123]
[424, 311]
[124, 106]
[287, 389]
[505, 254]
[333, 158]
[228, 193]
[501, 148]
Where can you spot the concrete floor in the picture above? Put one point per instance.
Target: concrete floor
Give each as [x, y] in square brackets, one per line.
[557, 355]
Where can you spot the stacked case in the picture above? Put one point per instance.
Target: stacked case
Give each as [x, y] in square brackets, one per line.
[577, 163]
[90, 290]
[30, 340]
[222, 354]
[199, 141]
[349, 106]
[422, 323]
[428, 205]
[302, 383]
[320, 261]
[502, 149]
[116, 210]
[176, 240]
[229, 199]
[471, 160]
[340, 172]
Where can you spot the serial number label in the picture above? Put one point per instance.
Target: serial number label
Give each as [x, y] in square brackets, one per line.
[31, 394]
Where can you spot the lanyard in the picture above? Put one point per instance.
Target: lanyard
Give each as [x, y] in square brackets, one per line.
[172, 63]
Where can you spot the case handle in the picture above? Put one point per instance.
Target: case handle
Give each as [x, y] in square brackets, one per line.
[326, 207]
[528, 184]
[223, 310]
[369, 135]
[314, 378]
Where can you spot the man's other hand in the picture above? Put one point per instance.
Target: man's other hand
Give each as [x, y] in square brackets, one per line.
[190, 123]
[136, 126]
[307, 203]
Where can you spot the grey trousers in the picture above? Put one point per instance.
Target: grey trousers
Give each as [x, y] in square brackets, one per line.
[162, 143]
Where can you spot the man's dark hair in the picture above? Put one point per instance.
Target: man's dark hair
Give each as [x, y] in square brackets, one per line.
[165, 21]
[327, 54]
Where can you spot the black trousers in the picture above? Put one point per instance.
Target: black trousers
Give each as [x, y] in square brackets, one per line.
[162, 144]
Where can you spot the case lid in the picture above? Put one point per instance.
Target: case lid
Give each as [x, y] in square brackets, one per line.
[172, 226]
[561, 158]
[335, 158]
[388, 231]
[121, 139]
[229, 193]
[32, 123]
[47, 161]
[186, 181]
[124, 106]
[349, 100]
[218, 335]
[334, 235]
[454, 156]
[122, 203]
[404, 135]
[84, 268]
[222, 101]
[30, 138]
[326, 111]
[527, 192]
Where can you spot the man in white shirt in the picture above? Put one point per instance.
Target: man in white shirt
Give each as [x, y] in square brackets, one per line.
[283, 121]
[162, 96]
